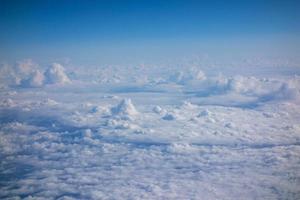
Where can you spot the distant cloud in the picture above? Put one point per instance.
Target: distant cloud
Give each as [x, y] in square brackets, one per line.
[35, 80]
[55, 74]
[17, 74]
[25, 67]
[26, 73]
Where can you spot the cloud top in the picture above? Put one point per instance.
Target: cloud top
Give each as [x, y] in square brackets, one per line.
[55, 74]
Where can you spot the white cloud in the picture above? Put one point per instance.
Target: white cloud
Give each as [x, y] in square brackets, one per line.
[82, 142]
[36, 79]
[27, 74]
[184, 77]
[55, 74]
[124, 109]
[25, 67]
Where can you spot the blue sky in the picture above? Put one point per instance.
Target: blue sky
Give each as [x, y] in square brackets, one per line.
[107, 32]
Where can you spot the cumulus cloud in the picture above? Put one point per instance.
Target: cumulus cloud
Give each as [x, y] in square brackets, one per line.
[125, 109]
[70, 145]
[182, 77]
[55, 74]
[36, 79]
[268, 89]
[239, 90]
[16, 74]
[28, 74]
[25, 67]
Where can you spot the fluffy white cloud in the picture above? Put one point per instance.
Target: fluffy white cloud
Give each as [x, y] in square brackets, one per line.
[27, 74]
[124, 109]
[47, 153]
[84, 142]
[191, 75]
[36, 79]
[55, 74]
[16, 75]
[25, 67]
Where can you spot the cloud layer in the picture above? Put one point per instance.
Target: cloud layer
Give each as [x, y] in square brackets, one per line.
[147, 133]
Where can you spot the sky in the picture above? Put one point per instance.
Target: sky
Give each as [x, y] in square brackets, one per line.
[129, 31]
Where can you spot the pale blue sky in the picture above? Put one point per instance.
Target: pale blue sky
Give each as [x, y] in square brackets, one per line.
[112, 32]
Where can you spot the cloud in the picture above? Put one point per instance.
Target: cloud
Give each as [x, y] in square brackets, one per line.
[18, 73]
[243, 90]
[77, 148]
[55, 74]
[182, 77]
[124, 109]
[28, 74]
[25, 67]
[36, 79]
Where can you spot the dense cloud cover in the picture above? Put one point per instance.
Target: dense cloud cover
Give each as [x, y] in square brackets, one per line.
[147, 133]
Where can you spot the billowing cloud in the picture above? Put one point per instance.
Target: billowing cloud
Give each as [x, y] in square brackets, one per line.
[25, 67]
[28, 74]
[99, 140]
[36, 79]
[55, 74]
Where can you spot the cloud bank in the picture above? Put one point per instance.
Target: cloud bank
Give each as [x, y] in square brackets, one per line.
[28, 74]
[147, 133]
